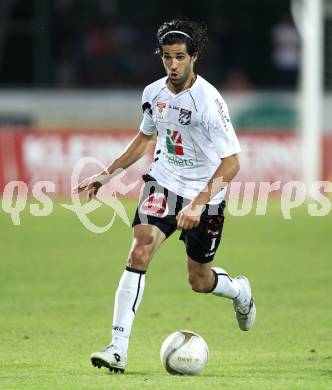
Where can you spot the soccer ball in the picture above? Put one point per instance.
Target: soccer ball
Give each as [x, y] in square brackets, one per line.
[184, 353]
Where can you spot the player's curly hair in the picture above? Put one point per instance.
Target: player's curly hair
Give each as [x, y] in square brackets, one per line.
[196, 31]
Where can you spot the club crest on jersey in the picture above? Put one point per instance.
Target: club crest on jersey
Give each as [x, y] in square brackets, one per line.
[161, 110]
[185, 117]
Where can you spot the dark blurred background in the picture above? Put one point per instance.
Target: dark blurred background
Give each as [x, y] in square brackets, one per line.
[110, 43]
[72, 74]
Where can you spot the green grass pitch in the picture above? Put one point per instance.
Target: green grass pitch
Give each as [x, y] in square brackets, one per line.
[57, 282]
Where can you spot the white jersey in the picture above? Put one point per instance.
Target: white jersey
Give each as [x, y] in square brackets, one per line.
[194, 133]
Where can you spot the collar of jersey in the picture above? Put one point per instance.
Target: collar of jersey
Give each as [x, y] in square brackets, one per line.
[196, 82]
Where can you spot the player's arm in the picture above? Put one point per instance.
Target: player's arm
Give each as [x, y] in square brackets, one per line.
[189, 216]
[133, 152]
[224, 174]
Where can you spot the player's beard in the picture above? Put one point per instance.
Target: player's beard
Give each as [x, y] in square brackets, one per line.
[181, 80]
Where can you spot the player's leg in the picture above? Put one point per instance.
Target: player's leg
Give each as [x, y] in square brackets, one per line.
[200, 276]
[206, 279]
[202, 243]
[146, 240]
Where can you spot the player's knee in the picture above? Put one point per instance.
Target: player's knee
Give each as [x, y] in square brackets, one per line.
[139, 257]
[198, 283]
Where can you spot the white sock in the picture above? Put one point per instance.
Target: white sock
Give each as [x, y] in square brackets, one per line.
[127, 299]
[225, 286]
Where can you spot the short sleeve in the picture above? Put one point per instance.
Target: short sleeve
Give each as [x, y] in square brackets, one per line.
[147, 125]
[220, 128]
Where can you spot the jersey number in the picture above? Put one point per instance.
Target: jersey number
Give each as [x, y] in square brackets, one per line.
[213, 244]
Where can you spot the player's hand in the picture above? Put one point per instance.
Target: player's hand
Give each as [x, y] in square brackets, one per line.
[91, 185]
[189, 217]
[92, 190]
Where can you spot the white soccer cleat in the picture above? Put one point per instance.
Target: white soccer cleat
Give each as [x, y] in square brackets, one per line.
[244, 305]
[111, 357]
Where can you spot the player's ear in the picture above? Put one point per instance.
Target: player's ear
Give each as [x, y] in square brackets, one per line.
[194, 57]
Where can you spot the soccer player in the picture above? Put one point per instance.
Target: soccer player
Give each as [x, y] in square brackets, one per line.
[196, 155]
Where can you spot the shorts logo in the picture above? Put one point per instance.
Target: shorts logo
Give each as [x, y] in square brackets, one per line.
[155, 205]
[174, 142]
[161, 110]
[185, 117]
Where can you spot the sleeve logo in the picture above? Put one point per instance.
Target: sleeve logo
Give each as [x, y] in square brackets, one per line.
[223, 115]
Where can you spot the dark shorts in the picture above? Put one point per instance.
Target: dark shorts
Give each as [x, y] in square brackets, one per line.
[158, 206]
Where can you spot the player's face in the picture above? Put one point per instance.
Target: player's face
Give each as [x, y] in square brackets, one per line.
[179, 65]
